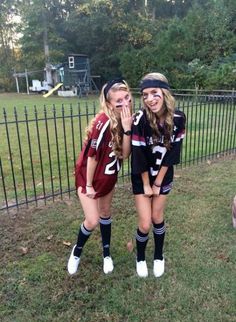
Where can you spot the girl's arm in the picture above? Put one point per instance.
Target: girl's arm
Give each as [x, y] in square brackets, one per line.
[146, 184]
[91, 167]
[158, 181]
[126, 145]
[126, 121]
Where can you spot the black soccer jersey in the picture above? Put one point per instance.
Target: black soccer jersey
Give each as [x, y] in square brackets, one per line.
[149, 157]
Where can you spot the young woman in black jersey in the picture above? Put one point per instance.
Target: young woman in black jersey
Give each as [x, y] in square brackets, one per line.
[157, 133]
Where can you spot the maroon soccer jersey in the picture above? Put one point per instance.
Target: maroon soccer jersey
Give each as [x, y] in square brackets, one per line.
[99, 146]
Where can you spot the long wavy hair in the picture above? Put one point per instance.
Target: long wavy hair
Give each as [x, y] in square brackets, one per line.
[115, 122]
[168, 113]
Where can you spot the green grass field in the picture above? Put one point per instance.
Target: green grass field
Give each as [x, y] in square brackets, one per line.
[39, 145]
[200, 250]
[11, 100]
[43, 148]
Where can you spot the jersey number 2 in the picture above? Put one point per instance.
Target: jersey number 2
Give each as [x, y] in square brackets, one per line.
[108, 169]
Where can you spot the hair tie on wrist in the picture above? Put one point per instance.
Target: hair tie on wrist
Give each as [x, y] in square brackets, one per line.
[157, 185]
[88, 186]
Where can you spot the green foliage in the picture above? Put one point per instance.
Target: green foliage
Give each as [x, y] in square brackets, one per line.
[223, 75]
[189, 51]
[42, 19]
[186, 40]
[107, 28]
[7, 42]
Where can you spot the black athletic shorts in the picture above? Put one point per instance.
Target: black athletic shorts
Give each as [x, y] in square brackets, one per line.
[137, 185]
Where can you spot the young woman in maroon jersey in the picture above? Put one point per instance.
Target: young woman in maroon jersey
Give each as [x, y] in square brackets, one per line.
[157, 133]
[107, 144]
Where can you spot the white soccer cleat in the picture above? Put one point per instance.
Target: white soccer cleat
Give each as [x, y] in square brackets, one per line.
[73, 263]
[158, 267]
[107, 265]
[141, 269]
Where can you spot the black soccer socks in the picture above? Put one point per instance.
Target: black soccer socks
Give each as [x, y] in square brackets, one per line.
[83, 236]
[105, 228]
[159, 236]
[141, 243]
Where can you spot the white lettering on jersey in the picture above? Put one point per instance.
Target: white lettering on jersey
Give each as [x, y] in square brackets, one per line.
[99, 125]
[94, 143]
[150, 140]
[162, 151]
[110, 165]
[137, 117]
[102, 132]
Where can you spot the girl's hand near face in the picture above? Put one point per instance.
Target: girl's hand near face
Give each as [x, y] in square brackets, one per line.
[126, 118]
[90, 192]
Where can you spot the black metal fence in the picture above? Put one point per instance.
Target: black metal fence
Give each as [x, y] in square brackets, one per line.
[39, 146]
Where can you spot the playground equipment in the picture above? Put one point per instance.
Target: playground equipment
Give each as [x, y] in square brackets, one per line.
[74, 77]
[39, 87]
[26, 74]
[53, 90]
[68, 93]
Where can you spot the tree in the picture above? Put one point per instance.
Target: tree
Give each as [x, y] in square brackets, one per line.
[188, 40]
[103, 29]
[40, 18]
[190, 50]
[8, 52]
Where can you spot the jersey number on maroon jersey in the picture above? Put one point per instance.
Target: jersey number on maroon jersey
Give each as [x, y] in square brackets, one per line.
[108, 168]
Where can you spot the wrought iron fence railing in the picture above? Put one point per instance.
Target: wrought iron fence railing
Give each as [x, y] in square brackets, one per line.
[39, 146]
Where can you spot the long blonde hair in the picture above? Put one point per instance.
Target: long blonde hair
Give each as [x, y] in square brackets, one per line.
[115, 122]
[169, 107]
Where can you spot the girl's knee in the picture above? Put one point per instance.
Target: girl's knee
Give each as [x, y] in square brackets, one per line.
[105, 211]
[144, 227]
[91, 223]
[158, 218]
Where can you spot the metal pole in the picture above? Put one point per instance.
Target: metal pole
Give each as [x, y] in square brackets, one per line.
[17, 85]
[27, 81]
